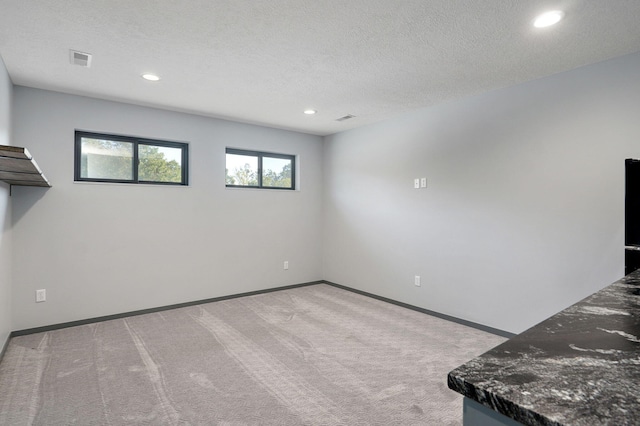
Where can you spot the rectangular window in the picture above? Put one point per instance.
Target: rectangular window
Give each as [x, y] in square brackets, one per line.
[124, 159]
[253, 169]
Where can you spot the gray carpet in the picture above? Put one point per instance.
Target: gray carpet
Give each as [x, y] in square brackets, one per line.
[314, 355]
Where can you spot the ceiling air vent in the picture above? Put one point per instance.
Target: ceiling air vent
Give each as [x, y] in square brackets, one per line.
[346, 117]
[80, 58]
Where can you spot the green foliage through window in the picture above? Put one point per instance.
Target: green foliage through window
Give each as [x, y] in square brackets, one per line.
[154, 166]
[110, 158]
[254, 169]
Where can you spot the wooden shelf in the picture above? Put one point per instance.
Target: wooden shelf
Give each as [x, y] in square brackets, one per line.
[17, 167]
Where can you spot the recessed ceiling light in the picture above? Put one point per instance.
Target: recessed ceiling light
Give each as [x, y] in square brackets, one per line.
[310, 111]
[548, 18]
[150, 77]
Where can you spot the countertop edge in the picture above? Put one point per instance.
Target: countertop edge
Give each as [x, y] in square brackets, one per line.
[497, 403]
[578, 367]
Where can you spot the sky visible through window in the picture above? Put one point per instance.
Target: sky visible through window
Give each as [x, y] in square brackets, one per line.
[171, 153]
[235, 161]
[242, 169]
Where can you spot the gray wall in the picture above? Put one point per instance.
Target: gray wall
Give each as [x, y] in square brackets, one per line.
[101, 249]
[524, 210]
[6, 89]
[523, 214]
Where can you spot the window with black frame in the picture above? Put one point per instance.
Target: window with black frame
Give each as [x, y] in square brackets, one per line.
[123, 159]
[255, 169]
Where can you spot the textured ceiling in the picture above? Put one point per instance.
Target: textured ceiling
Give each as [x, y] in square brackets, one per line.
[265, 62]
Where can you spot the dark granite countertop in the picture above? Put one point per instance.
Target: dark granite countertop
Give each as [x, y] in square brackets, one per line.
[579, 367]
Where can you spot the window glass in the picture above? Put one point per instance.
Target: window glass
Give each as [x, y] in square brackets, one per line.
[105, 159]
[159, 163]
[276, 172]
[256, 169]
[125, 159]
[242, 170]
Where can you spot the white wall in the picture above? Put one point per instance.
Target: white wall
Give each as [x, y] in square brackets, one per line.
[102, 249]
[524, 210]
[6, 89]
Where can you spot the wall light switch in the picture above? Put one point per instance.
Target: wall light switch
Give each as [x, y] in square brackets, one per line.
[423, 183]
[286, 264]
[416, 183]
[416, 280]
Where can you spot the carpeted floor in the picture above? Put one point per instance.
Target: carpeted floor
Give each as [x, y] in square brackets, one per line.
[315, 355]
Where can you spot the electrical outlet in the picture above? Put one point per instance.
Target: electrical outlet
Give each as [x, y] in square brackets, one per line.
[286, 264]
[416, 280]
[41, 295]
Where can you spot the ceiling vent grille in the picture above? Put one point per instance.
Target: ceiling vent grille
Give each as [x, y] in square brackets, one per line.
[80, 58]
[346, 117]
